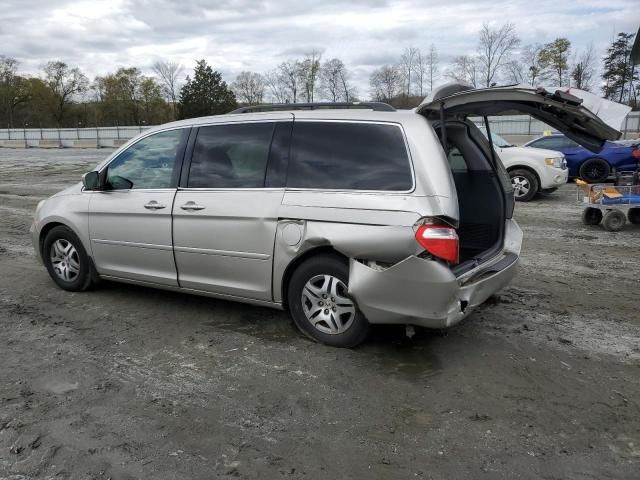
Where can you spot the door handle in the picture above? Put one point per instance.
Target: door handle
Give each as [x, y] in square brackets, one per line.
[153, 205]
[192, 206]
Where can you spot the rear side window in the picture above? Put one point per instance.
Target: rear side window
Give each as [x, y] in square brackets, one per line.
[348, 156]
[230, 156]
[554, 142]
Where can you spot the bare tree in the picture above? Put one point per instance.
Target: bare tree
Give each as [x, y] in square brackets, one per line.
[515, 71]
[249, 88]
[350, 92]
[308, 70]
[334, 81]
[464, 68]
[534, 70]
[584, 69]
[494, 48]
[276, 86]
[407, 66]
[64, 82]
[289, 75]
[169, 74]
[386, 82]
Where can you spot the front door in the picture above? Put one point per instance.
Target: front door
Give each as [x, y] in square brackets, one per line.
[130, 219]
[224, 218]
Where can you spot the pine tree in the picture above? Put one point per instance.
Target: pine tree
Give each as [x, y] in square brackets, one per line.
[554, 60]
[205, 94]
[621, 79]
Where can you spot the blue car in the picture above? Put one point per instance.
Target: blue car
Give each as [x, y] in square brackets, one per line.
[591, 167]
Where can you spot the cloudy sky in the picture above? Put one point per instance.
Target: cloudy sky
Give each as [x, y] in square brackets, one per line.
[236, 35]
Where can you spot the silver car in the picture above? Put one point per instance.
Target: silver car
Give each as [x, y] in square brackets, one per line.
[346, 215]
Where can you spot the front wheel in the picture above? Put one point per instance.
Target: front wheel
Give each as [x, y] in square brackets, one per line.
[591, 216]
[320, 304]
[525, 184]
[66, 260]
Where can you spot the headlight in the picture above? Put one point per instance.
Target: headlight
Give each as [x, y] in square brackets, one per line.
[555, 162]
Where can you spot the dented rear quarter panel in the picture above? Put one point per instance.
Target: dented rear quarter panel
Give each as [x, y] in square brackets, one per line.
[377, 225]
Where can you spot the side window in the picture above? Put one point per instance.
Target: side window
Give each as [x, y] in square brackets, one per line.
[348, 156]
[149, 163]
[456, 160]
[231, 156]
[542, 143]
[568, 143]
[552, 143]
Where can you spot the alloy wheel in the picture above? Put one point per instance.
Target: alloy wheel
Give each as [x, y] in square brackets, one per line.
[521, 186]
[326, 305]
[65, 260]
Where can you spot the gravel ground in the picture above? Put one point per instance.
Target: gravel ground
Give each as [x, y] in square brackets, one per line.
[125, 382]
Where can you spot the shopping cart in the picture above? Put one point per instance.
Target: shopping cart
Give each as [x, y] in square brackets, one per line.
[610, 204]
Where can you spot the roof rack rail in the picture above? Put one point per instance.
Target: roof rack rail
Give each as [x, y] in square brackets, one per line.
[376, 106]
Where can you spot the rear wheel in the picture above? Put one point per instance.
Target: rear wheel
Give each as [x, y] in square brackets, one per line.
[320, 305]
[634, 216]
[66, 260]
[613, 221]
[591, 216]
[525, 184]
[595, 170]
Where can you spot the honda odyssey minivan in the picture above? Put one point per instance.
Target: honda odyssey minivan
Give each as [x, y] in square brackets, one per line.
[346, 215]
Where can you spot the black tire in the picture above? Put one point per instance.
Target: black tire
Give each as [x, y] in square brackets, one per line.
[634, 216]
[525, 184]
[595, 170]
[614, 221]
[337, 268]
[591, 216]
[76, 282]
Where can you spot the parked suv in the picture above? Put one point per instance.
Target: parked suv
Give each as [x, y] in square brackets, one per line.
[532, 170]
[344, 216]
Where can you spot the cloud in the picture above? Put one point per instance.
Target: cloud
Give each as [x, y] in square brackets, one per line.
[235, 35]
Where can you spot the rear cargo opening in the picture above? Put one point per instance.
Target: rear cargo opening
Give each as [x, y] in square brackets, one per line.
[481, 197]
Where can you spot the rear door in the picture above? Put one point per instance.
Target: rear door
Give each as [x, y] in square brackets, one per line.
[559, 110]
[226, 209]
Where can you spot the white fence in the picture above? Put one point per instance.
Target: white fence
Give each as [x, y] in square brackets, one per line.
[509, 125]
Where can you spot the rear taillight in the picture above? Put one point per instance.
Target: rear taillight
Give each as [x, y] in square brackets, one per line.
[635, 152]
[439, 240]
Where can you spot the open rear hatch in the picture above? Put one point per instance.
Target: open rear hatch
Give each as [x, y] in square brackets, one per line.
[484, 194]
[560, 110]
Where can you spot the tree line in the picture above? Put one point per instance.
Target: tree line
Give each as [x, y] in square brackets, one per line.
[63, 96]
[500, 59]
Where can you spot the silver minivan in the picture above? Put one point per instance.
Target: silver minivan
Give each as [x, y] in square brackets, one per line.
[345, 214]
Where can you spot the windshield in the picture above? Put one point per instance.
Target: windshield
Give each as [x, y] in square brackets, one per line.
[497, 140]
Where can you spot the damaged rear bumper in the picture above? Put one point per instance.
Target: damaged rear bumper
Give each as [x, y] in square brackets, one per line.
[424, 292]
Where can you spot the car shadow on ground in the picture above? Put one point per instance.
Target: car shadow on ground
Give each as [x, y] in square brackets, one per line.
[388, 348]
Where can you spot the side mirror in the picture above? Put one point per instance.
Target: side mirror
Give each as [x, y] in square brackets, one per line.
[91, 181]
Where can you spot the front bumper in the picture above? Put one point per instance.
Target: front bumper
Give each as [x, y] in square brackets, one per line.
[423, 292]
[552, 177]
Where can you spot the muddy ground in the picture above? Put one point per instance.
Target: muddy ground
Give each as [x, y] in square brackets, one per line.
[125, 382]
